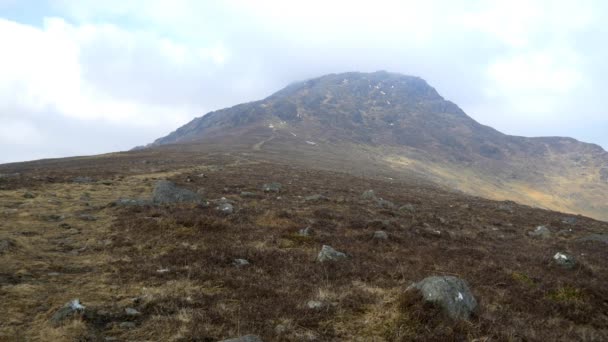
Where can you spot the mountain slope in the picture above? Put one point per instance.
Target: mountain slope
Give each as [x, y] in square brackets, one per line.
[406, 127]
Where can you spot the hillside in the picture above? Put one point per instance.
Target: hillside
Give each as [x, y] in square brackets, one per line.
[407, 128]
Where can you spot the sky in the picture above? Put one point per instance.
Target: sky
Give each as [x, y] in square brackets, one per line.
[87, 77]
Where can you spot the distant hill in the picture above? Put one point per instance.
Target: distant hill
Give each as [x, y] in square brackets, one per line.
[405, 127]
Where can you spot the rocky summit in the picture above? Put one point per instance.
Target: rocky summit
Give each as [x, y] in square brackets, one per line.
[350, 207]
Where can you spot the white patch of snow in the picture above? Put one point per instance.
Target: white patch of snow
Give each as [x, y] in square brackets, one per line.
[391, 124]
[382, 92]
[388, 102]
[263, 105]
[377, 87]
[311, 142]
[292, 133]
[271, 126]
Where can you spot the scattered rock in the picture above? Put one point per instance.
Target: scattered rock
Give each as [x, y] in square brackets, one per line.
[87, 217]
[132, 312]
[226, 208]
[70, 309]
[130, 202]
[385, 204]
[451, 293]
[595, 237]
[240, 262]
[316, 198]
[380, 235]
[5, 245]
[82, 180]
[408, 207]
[315, 305]
[564, 260]
[541, 232]
[166, 192]
[246, 338]
[127, 325]
[368, 195]
[272, 187]
[248, 194]
[29, 195]
[327, 253]
[305, 231]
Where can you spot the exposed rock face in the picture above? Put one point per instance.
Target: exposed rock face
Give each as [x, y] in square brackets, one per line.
[327, 253]
[451, 293]
[166, 192]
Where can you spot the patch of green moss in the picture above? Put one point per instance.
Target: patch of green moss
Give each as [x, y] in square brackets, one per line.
[523, 279]
[566, 294]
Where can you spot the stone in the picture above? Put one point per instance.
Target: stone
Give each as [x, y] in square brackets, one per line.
[305, 231]
[451, 293]
[127, 325]
[408, 207]
[5, 245]
[540, 232]
[315, 304]
[130, 202]
[272, 187]
[595, 237]
[246, 338]
[70, 309]
[316, 198]
[87, 217]
[226, 208]
[166, 192]
[132, 312]
[29, 195]
[564, 260]
[240, 262]
[368, 195]
[385, 204]
[82, 180]
[52, 217]
[327, 253]
[380, 235]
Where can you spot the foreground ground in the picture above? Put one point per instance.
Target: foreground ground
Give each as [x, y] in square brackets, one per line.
[174, 264]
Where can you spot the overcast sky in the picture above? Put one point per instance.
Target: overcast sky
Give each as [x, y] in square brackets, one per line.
[89, 76]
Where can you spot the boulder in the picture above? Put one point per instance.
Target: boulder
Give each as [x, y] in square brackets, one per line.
[272, 187]
[315, 305]
[564, 260]
[408, 208]
[540, 232]
[305, 231]
[327, 253]
[385, 204]
[451, 293]
[246, 338]
[29, 195]
[240, 262]
[166, 192]
[132, 312]
[368, 195]
[225, 208]
[70, 309]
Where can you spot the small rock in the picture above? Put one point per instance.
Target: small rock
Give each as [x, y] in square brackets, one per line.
[564, 260]
[327, 253]
[272, 187]
[247, 194]
[127, 325]
[368, 195]
[162, 270]
[451, 293]
[305, 231]
[73, 231]
[316, 198]
[226, 208]
[380, 235]
[280, 329]
[315, 304]
[166, 192]
[5, 245]
[29, 195]
[240, 262]
[87, 217]
[82, 180]
[130, 202]
[246, 338]
[385, 204]
[541, 231]
[132, 312]
[68, 310]
[408, 207]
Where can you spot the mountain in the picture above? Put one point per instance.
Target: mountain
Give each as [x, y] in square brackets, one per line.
[404, 128]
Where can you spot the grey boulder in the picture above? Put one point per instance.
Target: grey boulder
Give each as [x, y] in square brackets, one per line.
[272, 187]
[451, 293]
[380, 235]
[540, 232]
[166, 192]
[564, 260]
[327, 253]
[70, 309]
